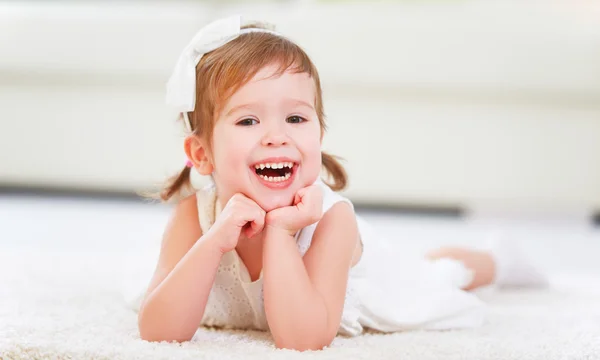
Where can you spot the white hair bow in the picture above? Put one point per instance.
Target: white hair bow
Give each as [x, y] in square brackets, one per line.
[181, 87]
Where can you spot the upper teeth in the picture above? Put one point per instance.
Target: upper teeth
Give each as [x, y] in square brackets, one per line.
[275, 165]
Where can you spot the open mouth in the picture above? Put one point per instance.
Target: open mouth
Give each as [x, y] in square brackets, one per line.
[275, 172]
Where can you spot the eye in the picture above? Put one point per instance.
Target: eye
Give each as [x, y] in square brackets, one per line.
[247, 122]
[295, 119]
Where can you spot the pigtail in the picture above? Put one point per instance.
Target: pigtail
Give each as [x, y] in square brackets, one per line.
[174, 184]
[335, 171]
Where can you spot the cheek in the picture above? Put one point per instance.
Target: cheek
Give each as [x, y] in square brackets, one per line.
[230, 160]
[312, 159]
[230, 149]
[314, 166]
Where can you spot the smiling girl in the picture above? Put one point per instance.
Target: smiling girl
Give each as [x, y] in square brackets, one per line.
[268, 244]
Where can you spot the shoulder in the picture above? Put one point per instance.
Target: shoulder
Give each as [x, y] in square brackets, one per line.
[181, 233]
[340, 217]
[338, 222]
[183, 222]
[334, 246]
[188, 206]
[338, 228]
[332, 199]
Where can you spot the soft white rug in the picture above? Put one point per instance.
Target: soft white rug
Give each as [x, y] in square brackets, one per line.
[61, 305]
[63, 262]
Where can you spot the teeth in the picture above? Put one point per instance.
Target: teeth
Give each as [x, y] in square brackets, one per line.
[276, 179]
[275, 166]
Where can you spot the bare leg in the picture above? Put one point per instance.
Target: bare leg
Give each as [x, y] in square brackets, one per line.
[480, 262]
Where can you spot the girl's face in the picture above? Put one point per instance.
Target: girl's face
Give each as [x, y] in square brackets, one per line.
[267, 140]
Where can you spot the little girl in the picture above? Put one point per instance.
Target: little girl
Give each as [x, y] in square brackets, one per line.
[269, 245]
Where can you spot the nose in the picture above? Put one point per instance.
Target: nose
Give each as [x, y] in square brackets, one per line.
[275, 135]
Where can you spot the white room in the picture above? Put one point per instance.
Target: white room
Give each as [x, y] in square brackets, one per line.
[458, 123]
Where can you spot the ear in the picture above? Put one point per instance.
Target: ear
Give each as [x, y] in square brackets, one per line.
[197, 152]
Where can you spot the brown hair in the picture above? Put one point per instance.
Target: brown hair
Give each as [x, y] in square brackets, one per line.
[221, 72]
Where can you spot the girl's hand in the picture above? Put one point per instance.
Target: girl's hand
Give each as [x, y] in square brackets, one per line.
[307, 210]
[239, 215]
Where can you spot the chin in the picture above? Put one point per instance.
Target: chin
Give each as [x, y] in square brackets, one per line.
[272, 202]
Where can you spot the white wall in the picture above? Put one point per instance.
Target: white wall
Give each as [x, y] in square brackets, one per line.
[482, 103]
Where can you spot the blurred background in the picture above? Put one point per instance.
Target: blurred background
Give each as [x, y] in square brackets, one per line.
[459, 120]
[477, 105]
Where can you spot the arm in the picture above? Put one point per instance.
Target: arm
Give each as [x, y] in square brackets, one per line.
[177, 295]
[304, 297]
[174, 303]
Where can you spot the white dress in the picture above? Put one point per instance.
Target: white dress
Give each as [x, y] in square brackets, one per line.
[386, 291]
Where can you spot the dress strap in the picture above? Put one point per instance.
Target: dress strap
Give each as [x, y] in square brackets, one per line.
[206, 200]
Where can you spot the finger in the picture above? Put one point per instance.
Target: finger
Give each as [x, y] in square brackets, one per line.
[253, 229]
[258, 224]
[243, 214]
[301, 194]
[284, 217]
[244, 201]
[312, 203]
[304, 196]
[255, 210]
[249, 232]
[256, 219]
[251, 203]
[297, 199]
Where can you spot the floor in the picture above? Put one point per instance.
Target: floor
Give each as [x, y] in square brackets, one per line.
[63, 224]
[61, 260]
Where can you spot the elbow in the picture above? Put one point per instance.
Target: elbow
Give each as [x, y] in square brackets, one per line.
[157, 333]
[308, 333]
[307, 342]
[160, 336]
[300, 347]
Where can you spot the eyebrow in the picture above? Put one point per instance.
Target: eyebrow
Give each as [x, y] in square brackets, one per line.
[251, 106]
[298, 102]
[240, 107]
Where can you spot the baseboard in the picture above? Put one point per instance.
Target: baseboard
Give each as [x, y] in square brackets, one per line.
[596, 218]
[458, 211]
[110, 195]
[411, 209]
[60, 192]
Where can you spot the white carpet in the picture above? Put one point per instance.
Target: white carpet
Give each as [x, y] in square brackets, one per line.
[61, 301]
